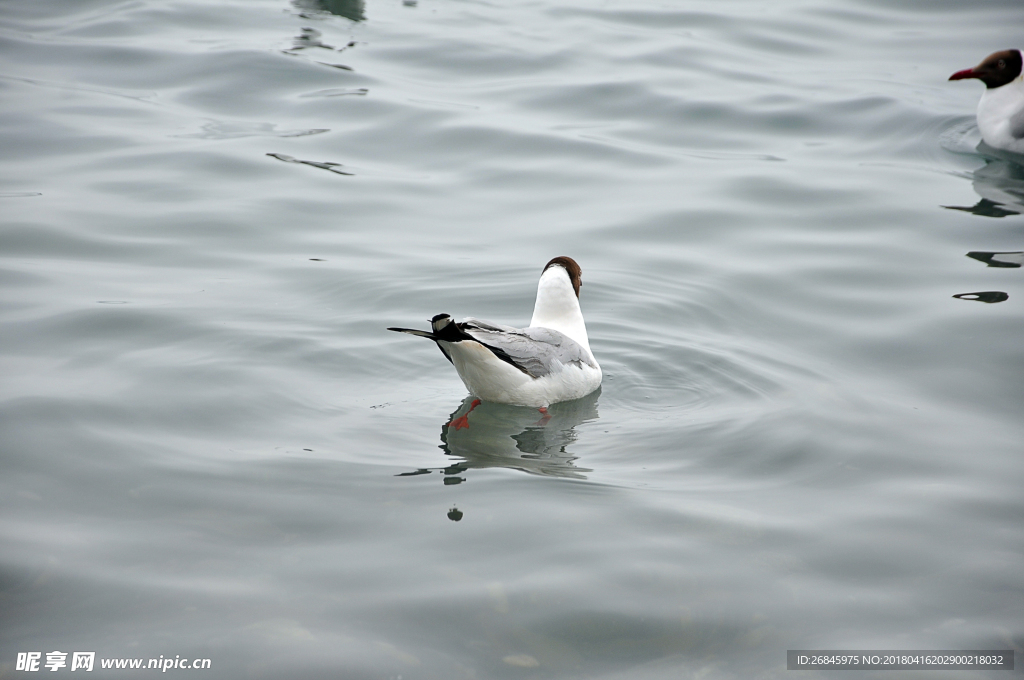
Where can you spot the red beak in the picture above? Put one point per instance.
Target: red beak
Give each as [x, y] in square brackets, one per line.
[966, 73]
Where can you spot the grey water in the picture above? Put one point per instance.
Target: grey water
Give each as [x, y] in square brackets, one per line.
[801, 275]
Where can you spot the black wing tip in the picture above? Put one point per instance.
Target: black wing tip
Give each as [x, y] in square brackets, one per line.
[414, 331]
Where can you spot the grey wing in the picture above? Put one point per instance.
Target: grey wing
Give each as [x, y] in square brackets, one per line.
[1017, 124]
[471, 323]
[537, 351]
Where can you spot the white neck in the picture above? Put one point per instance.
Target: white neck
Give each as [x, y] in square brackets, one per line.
[998, 110]
[557, 306]
[1006, 99]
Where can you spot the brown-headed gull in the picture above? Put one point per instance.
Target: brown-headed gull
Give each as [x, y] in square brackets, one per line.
[547, 362]
[1001, 109]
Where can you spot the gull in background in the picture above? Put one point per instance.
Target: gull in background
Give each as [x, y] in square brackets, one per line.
[1001, 109]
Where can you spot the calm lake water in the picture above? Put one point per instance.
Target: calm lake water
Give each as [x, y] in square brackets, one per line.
[211, 447]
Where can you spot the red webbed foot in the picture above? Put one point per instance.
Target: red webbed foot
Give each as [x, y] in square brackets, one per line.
[463, 421]
[543, 421]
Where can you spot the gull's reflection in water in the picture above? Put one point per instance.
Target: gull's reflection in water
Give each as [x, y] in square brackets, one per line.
[989, 296]
[1000, 185]
[309, 41]
[354, 10]
[1011, 260]
[483, 435]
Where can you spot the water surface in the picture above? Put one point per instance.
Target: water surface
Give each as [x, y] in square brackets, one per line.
[802, 278]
